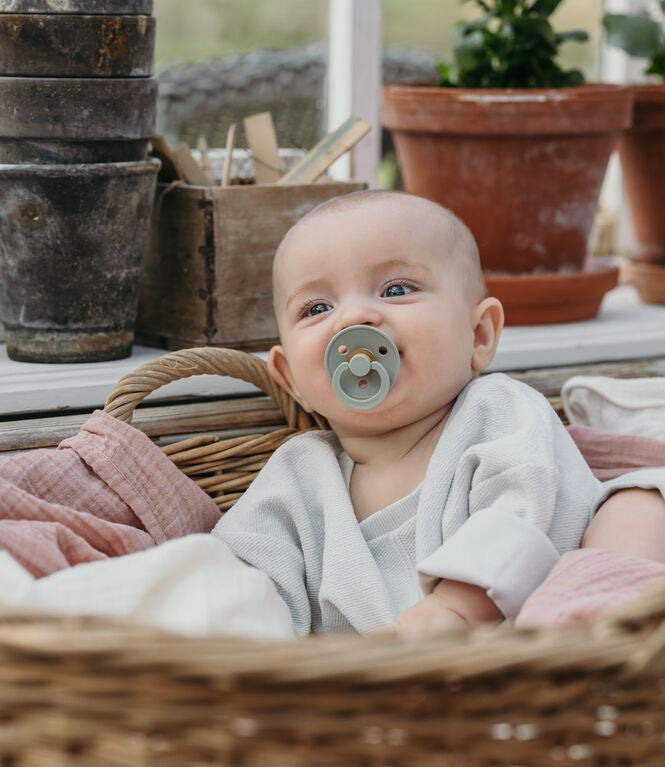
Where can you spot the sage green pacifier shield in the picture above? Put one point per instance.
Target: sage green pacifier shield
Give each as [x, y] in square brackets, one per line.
[363, 364]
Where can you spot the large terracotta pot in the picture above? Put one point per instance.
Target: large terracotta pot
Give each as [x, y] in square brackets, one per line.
[522, 168]
[642, 152]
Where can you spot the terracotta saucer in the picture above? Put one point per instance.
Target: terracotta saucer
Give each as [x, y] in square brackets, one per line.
[648, 279]
[541, 299]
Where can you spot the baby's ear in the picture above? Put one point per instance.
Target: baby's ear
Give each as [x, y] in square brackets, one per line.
[280, 372]
[487, 327]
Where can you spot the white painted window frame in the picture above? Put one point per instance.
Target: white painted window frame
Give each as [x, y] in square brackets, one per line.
[355, 45]
[615, 66]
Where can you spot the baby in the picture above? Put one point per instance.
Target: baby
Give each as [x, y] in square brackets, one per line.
[449, 501]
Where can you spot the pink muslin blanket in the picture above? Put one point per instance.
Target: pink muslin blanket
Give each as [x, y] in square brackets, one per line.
[610, 454]
[586, 584]
[109, 491]
[106, 491]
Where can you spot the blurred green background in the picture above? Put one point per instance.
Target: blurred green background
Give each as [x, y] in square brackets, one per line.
[200, 29]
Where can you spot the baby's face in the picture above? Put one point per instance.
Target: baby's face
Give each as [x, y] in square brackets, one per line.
[374, 265]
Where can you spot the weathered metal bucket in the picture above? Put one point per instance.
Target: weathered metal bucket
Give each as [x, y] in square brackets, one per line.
[76, 45]
[104, 7]
[72, 242]
[76, 120]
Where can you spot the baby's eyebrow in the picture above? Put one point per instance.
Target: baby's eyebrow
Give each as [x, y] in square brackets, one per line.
[399, 263]
[307, 287]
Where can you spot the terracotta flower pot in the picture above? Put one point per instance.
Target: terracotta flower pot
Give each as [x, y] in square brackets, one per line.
[647, 278]
[642, 153]
[522, 168]
[541, 299]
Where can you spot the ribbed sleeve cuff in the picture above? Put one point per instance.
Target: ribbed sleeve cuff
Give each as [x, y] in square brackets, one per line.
[498, 551]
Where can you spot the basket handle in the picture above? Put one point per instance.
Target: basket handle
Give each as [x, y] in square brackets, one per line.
[135, 386]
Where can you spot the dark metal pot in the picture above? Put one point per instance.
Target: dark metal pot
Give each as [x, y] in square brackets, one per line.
[62, 152]
[103, 7]
[76, 45]
[72, 242]
[77, 108]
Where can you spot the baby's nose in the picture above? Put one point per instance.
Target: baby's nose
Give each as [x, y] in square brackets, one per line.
[358, 314]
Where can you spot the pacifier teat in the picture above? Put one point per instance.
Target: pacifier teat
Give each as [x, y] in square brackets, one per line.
[363, 364]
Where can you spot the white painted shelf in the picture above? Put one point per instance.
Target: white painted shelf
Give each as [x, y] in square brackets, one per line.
[624, 329]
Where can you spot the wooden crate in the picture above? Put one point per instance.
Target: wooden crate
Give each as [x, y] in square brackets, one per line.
[207, 277]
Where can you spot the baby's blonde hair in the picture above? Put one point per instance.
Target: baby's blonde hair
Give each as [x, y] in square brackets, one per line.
[458, 244]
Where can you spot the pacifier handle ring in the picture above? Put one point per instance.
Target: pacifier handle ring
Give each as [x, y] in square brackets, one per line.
[361, 404]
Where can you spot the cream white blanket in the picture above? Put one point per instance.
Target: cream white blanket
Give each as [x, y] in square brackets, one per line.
[192, 586]
[623, 406]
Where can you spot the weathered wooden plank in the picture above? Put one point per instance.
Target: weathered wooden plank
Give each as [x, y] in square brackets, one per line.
[156, 421]
[549, 381]
[174, 422]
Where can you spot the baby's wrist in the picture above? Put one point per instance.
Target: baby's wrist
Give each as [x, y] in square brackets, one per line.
[441, 606]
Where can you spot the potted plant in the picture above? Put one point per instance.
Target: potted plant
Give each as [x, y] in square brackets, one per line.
[642, 149]
[516, 146]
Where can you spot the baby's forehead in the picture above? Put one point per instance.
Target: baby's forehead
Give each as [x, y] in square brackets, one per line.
[412, 218]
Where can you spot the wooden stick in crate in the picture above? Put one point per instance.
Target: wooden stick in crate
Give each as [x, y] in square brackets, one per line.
[262, 141]
[188, 167]
[228, 155]
[317, 161]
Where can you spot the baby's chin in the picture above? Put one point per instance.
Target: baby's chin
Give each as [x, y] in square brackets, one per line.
[382, 419]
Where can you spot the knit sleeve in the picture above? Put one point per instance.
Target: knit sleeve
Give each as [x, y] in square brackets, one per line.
[499, 548]
[528, 497]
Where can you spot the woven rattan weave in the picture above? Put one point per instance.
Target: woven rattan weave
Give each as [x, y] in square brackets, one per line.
[89, 692]
[222, 467]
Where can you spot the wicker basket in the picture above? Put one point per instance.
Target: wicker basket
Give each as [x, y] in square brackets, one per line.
[90, 692]
[224, 468]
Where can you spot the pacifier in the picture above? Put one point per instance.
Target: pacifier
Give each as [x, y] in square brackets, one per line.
[362, 363]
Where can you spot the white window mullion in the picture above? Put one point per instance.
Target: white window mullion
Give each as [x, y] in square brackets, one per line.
[354, 81]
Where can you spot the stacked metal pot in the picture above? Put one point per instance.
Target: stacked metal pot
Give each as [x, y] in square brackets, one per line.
[77, 109]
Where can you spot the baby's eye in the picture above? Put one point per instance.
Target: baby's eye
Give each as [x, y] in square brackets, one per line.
[398, 289]
[315, 309]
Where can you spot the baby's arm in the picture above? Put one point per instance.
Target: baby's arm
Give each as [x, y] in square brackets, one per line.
[631, 521]
[452, 604]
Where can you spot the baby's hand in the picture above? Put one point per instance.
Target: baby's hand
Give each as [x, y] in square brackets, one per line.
[451, 606]
[426, 618]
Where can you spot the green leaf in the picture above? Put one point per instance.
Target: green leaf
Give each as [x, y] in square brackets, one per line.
[571, 79]
[638, 35]
[444, 74]
[512, 45]
[578, 35]
[463, 26]
[657, 66]
[662, 5]
[470, 51]
[544, 7]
